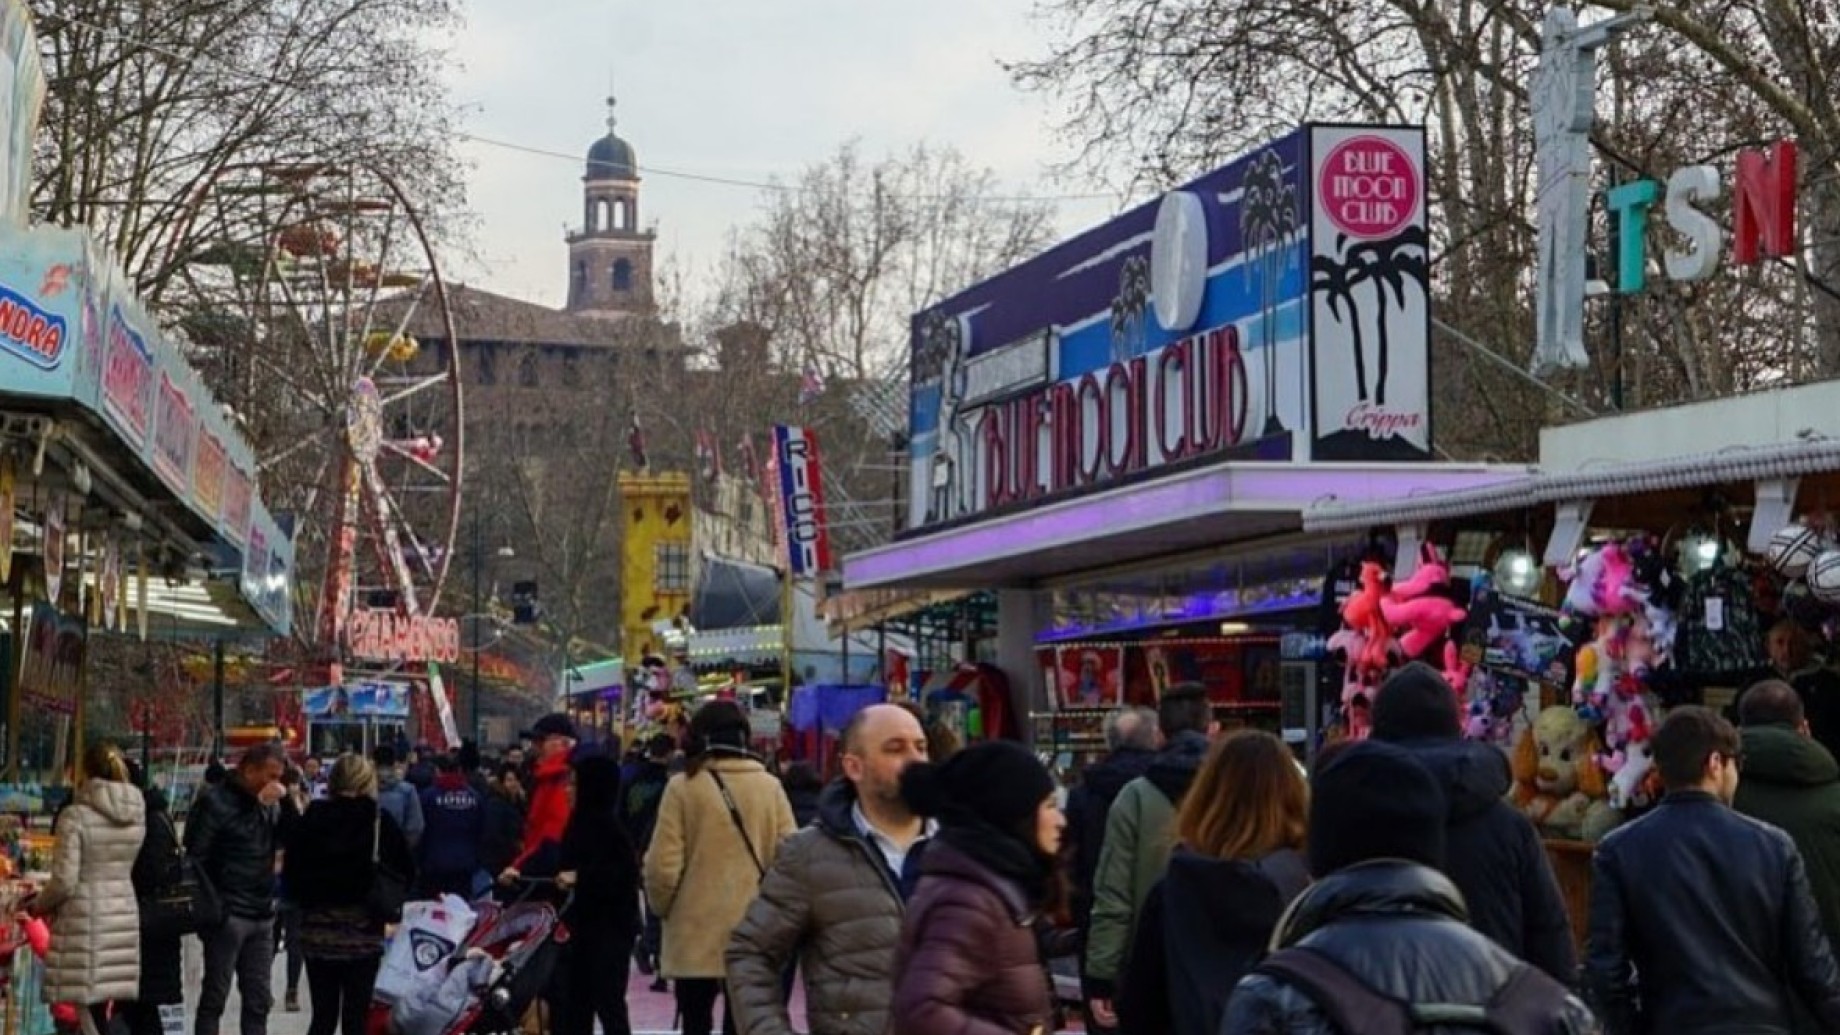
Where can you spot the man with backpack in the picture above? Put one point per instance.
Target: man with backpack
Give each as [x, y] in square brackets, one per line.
[1701, 919]
[1381, 943]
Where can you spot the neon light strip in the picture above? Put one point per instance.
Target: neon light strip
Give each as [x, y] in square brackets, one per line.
[1229, 488]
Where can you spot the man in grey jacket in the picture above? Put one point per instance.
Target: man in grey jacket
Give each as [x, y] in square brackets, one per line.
[836, 893]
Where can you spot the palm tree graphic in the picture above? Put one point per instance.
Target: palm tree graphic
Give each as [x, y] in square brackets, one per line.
[1268, 224]
[1130, 307]
[1337, 280]
[1389, 264]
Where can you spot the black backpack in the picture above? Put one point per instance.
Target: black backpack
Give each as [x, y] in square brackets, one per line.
[1528, 1003]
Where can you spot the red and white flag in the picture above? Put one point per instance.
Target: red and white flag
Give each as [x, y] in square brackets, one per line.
[708, 455]
[750, 463]
[811, 384]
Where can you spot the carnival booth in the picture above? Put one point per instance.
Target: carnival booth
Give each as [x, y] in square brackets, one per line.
[1117, 439]
[1575, 606]
[129, 508]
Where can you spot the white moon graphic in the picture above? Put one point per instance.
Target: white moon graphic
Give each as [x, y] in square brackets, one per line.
[1178, 260]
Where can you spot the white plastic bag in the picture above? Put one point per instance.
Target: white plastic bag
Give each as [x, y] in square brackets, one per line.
[426, 939]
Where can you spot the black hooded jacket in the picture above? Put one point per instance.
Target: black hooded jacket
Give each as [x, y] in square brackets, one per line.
[1088, 805]
[1174, 767]
[1398, 928]
[1494, 857]
[1203, 927]
[596, 847]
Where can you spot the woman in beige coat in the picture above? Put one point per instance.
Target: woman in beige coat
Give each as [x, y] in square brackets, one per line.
[701, 871]
[95, 920]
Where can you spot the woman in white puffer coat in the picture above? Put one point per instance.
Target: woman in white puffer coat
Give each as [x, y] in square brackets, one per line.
[95, 919]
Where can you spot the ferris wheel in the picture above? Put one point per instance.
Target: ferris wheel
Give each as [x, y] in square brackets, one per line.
[361, 419]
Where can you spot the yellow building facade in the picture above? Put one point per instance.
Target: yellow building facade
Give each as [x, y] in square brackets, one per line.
[657, 569]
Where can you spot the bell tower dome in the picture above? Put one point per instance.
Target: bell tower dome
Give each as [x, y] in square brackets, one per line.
[610, 257]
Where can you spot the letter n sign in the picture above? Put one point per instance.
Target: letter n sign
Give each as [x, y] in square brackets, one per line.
[801, 494]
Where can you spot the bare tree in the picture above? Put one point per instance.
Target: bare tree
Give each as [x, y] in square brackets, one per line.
[1156, 90]
[151, 107]
[839, 259]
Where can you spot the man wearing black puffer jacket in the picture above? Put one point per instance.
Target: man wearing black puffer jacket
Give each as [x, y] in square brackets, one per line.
[233, 832]
[1381, 941]
[1493, 853]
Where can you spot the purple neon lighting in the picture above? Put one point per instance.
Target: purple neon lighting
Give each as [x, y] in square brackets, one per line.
[1062, 524]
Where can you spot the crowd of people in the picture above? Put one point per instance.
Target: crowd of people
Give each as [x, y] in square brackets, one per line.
[1205, 882]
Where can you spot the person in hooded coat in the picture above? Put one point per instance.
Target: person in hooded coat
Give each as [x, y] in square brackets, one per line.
[156, 868]
[94, 956]
[1493, 855]
[1237, 864]
[599, 863]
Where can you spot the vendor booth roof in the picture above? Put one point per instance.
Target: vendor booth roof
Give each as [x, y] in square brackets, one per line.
[1703, 470]
[731, 594]
[1209, 506]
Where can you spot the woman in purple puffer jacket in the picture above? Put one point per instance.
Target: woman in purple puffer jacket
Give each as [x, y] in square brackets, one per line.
[969, 963]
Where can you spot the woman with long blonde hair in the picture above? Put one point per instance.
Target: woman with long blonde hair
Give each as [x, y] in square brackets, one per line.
[95, 953]
[1238, 861]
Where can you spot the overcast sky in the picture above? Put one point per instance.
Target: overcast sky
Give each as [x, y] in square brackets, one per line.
[746, 89]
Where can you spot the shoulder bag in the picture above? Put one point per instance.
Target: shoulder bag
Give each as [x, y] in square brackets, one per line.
[185, 903]
[734, 813]
[389, 888]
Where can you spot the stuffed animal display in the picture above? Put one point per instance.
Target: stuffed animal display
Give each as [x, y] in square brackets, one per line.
[1382, 625]
[1557, 780]
[1619, 587]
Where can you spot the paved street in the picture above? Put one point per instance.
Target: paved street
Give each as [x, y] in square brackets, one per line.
[652, 1012]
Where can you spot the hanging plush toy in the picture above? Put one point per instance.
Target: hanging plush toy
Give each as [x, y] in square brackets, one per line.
[1493, 705]
[1609, 690]
[1457, 671]
[1364, 637]
[1415, 607]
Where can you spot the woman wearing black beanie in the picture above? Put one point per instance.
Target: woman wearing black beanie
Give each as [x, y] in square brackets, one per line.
[968, 958]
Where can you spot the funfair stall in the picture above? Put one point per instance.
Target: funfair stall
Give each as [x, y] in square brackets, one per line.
[1145, 411]
[1626, 576]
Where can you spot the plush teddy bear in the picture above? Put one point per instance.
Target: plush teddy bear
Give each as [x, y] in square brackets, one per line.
[1557, 780]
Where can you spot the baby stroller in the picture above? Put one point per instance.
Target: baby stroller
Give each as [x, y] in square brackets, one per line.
[488, 984]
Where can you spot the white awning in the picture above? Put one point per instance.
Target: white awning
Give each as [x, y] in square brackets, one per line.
[1693, 471]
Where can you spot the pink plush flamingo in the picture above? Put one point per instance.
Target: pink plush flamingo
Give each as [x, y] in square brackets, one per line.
[1413, 606]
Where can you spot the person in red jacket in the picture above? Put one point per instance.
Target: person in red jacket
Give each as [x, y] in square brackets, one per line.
[554, 737]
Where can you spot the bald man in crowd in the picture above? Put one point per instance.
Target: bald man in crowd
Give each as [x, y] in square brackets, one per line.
[837, 892]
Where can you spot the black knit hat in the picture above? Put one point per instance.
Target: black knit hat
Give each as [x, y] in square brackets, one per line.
[555, 724]
[1415, 703]
[999, 782]
[1375, 801]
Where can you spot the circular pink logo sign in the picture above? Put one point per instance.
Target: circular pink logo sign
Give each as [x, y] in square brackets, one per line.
[1368, 187]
